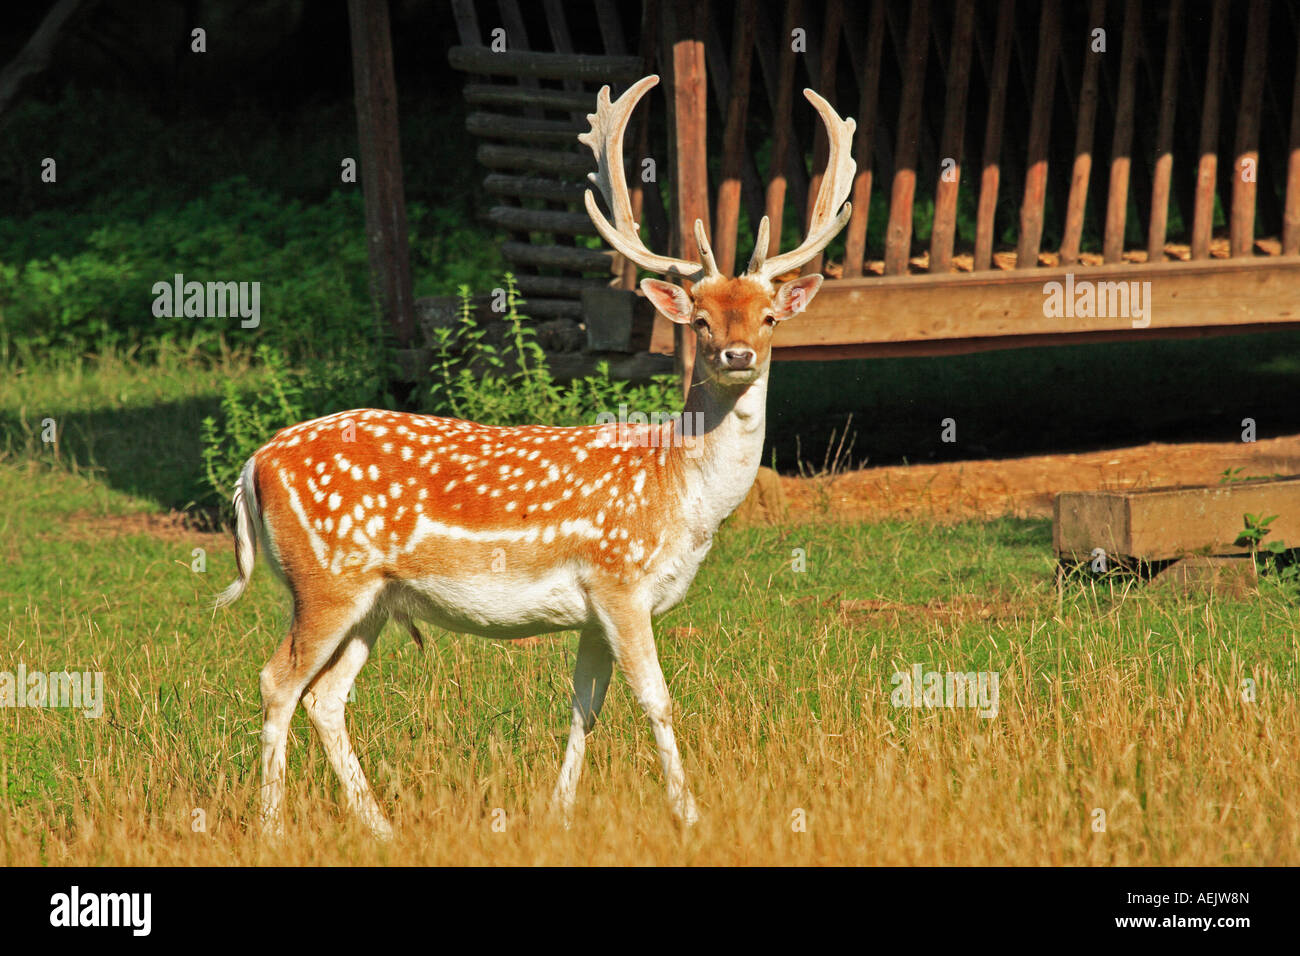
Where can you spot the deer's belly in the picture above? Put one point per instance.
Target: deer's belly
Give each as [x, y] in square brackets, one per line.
[672, 582]
[498, 604]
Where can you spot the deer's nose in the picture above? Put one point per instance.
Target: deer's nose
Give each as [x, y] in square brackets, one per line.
[738, 358]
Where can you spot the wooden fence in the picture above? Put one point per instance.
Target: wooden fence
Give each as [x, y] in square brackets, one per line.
[1098, 142]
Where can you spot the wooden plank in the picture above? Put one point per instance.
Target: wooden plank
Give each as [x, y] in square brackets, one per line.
[541, 220]
[1160, 186]
[1291, 211]
[1040, 126]
[1207, 167]
[1246, 162]
[1121, 158]
[1161, 523]
[1081, 173]
[533, 187]
[534, 160]
[726, 221]
[950, 145]
[387, 240]
[855, 242]
[501, 126]
[587, 67]
[990, 175]
[569, 287]
[972, 346]
[561, 257]
[774, 207]
[832, 25]
[930, 308]
[482, 94]
[898, 234]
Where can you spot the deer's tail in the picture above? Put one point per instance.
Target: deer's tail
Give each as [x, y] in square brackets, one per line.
[247, 517]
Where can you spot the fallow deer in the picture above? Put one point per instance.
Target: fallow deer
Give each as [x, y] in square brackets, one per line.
[510, 532]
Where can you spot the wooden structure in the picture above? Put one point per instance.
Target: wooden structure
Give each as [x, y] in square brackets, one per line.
[1156, 524]
[1098, 143]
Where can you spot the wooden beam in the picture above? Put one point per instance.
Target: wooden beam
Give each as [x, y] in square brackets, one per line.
[1207, 166]
[898, 234]
[1154, 524]
[545, 66]
[690, 159]
[483, 94]
[1245, 168]
[990, 175]
[1040, 126]
[995, 306]
[387, 242]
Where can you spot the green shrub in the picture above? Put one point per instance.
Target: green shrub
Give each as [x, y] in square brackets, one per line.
[475, 380]
[249, 419]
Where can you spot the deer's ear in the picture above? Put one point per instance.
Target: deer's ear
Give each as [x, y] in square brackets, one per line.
[795, 296]
[669, 299]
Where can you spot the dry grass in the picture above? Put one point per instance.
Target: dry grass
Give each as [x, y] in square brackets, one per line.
[1153, 730]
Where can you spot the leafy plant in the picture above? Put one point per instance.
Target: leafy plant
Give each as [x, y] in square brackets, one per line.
[511, 384]
[248, 420]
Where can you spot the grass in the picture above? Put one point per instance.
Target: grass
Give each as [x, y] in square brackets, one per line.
[1112, 696]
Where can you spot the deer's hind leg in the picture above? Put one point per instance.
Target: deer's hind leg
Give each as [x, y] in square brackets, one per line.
[318, 630]
[324, 702]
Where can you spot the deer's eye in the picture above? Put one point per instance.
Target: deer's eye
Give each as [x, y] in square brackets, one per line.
[769, 318]
[701, 323]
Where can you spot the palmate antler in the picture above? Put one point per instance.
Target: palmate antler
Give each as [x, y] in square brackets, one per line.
[605, 139]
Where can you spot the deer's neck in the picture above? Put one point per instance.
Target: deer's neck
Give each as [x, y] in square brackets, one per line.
[719, 452]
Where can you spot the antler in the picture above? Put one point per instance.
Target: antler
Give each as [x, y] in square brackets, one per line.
[605, 138]
[836, 185]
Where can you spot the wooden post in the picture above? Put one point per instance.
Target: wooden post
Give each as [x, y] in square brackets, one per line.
[1245, 167]
[991, 160]
[727, 221]
[1077, 204]
[855, 245]
[1165, 137]
[1207, 167]
[898, 235]
[954, 134]
[1040, 125]
[784, 105]
[690, 159]
[1291, 212]
[381, 168]
[1121, 144]
[831, 27]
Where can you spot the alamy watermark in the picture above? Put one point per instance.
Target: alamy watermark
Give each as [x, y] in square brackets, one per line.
[922, 688]
[180, 299]
[1086, 299]
[71, 690]
[639, 430]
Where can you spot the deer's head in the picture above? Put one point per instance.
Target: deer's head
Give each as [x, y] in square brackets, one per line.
[733, 318]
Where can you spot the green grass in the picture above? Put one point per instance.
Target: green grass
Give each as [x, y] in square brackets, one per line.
[1119, 697]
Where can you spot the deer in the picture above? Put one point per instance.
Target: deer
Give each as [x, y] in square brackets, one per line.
[508, 532]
